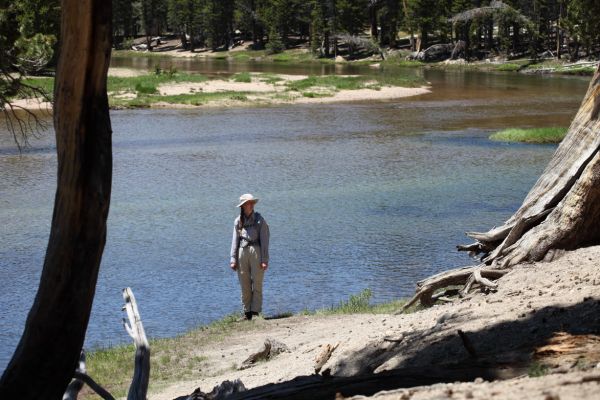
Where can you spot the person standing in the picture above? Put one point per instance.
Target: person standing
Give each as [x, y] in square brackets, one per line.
[250, 254]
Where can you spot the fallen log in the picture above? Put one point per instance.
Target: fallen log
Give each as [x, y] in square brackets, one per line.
[317, 387]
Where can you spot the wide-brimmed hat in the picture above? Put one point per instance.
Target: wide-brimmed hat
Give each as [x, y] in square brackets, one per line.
[247, 197]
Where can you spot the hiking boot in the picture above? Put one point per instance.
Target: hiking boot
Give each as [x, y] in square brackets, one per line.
[248, 316]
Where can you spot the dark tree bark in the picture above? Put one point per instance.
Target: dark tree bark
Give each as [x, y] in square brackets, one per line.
[561, 212]
[47, 355]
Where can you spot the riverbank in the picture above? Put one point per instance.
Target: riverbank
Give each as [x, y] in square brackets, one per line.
[395, 58]
[130, 88]
[541, 321]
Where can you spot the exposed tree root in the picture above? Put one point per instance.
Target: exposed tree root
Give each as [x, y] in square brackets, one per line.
[480, 274]
[561, 212]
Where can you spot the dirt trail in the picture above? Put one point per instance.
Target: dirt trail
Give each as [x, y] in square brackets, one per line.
[533, 305]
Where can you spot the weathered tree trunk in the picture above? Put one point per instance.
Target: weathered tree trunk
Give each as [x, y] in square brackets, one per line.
[564, 194]
[48, 352]
[561, 212]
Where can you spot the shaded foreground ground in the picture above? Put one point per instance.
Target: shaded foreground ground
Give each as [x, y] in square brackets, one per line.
[543, 324]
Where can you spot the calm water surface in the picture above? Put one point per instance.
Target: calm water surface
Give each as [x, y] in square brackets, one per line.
[360, 195]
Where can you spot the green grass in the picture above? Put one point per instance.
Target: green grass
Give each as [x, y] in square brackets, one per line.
[359, 304]
[146, 88]
[171, 359]
[117, 84]
[282, 57]
[194, 99]
[44, 84]
[314, 95]
[271, 79]
[175, 359]
[243, 77]
[509, 67]
[336, 83]
[329, 81]
[532, 135]
[579, 71]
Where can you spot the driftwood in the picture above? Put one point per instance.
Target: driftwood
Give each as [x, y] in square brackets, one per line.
[318, 387]
[79, 378]
[270, 349]
[135, 328]
[219, 392]
[141, 375]
[76, 384]
[324, 356]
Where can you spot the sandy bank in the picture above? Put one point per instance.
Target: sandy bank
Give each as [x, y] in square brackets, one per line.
[261, 90]
[534, 303]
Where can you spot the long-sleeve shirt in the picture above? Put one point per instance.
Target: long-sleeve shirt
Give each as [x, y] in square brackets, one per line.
[255, 231]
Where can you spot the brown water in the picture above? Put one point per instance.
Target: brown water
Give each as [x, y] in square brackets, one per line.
[359, 195]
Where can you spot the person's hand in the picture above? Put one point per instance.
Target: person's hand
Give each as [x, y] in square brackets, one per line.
[264, 266]
[233, 266]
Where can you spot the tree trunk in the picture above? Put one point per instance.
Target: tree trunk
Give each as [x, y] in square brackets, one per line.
[561, 212]
[48, 352]
[373, 22]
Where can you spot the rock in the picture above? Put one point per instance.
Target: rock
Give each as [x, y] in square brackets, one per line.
[340, 59]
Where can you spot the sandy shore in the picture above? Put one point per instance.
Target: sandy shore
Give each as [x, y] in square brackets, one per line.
[521, 321]
[259, 91]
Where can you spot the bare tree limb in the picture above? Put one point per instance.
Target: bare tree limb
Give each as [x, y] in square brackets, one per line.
[135, 328]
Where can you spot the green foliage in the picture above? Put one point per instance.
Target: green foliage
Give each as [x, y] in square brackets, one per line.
[243, 77]
[351, 15]
[46, 85]
[127, 16]
[145, 88]
[275, 44]
[533, 135]
[357, 303]
[332, 81]
[509, 67]
[360, 304]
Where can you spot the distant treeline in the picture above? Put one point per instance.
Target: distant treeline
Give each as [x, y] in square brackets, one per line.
[511, 27]
[29, 29]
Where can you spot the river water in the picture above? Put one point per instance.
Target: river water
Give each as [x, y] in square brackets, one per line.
[358, 195]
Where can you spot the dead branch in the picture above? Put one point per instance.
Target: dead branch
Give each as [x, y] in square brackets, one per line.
[79, 378]
[135, 328]
[324, 356]
[76, 384]
[270, 349]
[93, 385]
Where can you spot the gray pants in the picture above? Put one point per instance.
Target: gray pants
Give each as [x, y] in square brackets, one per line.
[251, 276]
